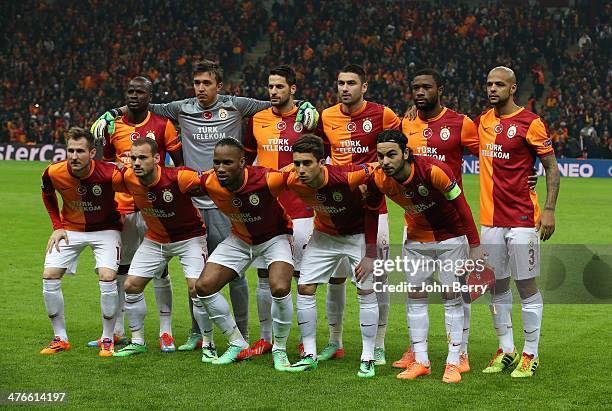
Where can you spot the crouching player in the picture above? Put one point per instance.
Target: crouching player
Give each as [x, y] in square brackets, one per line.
[440, 227]
[89, 217]
[260, 228]
[343, 228]
[174, 229]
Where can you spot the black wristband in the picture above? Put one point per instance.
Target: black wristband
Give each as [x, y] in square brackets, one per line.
[116, 112]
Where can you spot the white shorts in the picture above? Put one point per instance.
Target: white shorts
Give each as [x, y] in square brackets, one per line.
[343, 270]
[323, 254]
[151, 258]
[237, 254]
[106, 246]
[512, 251]
[302, 231]
[424, 258]
[134, 229]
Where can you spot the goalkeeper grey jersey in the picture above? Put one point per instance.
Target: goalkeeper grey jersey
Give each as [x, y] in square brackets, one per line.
[201, 128]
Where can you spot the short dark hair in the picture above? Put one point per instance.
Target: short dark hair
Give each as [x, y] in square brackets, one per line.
[78, 133]
[208, 66]
[146, 141]
[310, 144]
[144, 80]
[356, 69]
[231, 142]
[393, 136]
[284, 71]
[433, 73]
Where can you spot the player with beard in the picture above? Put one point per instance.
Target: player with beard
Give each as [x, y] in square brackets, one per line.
[510, 137]
[89, 218]
[174, 229]
[349, 130]
[270, 135]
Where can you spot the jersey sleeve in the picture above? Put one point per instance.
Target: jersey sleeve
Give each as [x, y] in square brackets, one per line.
[444, 182]
[204, 181]
[50, 200]
[171, 138]
[277, 181]
[188, 181]
[390, 119]
[109, 153]
[250, 143]
[170, 110]
[249, 106]
[118, 182]
[538, 137]
[469, 136]
[374, 197]
[359, 176]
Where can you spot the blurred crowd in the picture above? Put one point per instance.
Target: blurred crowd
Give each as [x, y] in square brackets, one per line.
[64, 64]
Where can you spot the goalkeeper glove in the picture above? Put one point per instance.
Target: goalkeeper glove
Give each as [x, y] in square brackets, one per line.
[307, 115]
[105, 122]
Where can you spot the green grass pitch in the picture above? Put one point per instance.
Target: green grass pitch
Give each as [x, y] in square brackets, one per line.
[574, 350]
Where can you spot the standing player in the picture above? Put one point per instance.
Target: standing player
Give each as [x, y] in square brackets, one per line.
[344, 229]
[270, 135]
[174, 228]
[350, 128]
[441, 133]
[260, 228]
[139, 122]
[440, 226]
[89, 217]
[510, 137]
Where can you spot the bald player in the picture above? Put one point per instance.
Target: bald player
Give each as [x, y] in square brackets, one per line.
[510, 138]
[140, 122]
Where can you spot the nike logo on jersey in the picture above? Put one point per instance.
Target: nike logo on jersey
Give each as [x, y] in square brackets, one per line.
[335, 127]
[412, 132]
[265, 125]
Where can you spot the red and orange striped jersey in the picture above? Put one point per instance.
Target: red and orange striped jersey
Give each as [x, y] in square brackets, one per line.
[117, 146]
[338, 205]
[255, 213]
[271, 136]
[508, 148]
[435, 208]
[352, 137]
[166, 204]
[443, 137]
[88, 202]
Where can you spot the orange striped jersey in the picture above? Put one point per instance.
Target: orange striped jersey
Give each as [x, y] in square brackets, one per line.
[338, 205]
[255, 213]
[435, 208]
[88, 202]
[166, 204]
[443, 137]
[271, 136]
[508, 148]
[117, 146]
[352, 137]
